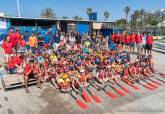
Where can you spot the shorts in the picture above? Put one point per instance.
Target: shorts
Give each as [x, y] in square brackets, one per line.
[12, 70]
[149, 46]
[139, 45]
[32, 49]
[132, 44]
[143, 46]
[122, 43]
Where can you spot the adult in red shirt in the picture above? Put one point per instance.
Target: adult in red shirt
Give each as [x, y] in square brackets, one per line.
[117, 38]
[149, 43]
[18, 37]
[7, 48]
[12, 37]
[122, 40]
[132, 42]
[139, 43]
[127, 42]
[113, 37]
[13, 64]
[22, 44]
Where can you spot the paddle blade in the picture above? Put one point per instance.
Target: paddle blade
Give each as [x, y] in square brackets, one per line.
[148, 87]
[81, 104]
[86, 97]
[156, 82]
[113, 96]
[125, 89]
[133, 86]
[119, 92]
[162, 75]
[96, 99]
[153, 85]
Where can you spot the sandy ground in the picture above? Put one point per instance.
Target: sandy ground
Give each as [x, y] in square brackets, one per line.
[50, 101]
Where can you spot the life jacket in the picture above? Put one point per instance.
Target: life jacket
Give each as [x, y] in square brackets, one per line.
[27, 68]
[101, 75]
[109, 74]
[64, 81]
[126, 72]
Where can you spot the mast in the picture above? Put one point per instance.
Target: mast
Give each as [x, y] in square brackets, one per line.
[18, 9]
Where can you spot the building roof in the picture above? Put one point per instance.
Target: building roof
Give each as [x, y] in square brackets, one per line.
[51, 19]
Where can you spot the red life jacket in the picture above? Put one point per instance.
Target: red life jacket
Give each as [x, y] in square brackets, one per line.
[101, 75]
[27, 68]
[126, 72]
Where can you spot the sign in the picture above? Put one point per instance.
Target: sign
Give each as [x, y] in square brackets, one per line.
[2, 23]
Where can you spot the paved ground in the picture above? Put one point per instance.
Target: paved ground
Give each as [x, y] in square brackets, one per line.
[51, 101]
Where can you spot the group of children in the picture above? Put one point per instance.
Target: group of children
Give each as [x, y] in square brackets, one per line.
[74, 66]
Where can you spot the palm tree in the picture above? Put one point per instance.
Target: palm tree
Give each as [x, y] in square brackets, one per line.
[127, 9]
[142, 17]
[106, 15]
[89, 11]
[64, 17]
[76, 17]
[47, 13]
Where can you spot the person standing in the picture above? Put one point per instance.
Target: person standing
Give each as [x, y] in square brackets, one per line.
[18, 38]
[40, 41]
[56, 40]
[144, 36]
[78, 38]
[12, 38]
[149, 43]
[139, 43]
[46, 40]
[7, 48]
[27, 40]
[51, 37]
[127, 42]
[33, 42]
[132, 42]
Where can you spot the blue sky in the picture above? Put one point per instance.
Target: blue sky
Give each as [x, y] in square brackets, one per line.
[70, 8]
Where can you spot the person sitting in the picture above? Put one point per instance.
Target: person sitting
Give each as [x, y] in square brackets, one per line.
[64, 82]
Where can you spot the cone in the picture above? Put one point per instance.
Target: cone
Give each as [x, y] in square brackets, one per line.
[113, 96]
[148, 87]
[81, 104]
[86, 97]
[96, 99]
[119, 92]
[156, 82]
[125, 89]
[151, 84]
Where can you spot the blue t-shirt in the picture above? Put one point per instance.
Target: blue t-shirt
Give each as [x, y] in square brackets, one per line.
[46, 40]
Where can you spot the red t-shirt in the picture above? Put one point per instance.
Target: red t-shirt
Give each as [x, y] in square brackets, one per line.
[11, 63]
[123, 38]
[149, 40]
[117, 37]
[7, 46]
[16, 60]
[113, 37]
[127, 39]
[12, 39]
[18, 37]
[22, 43]
[132, 38]
[138, 39]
